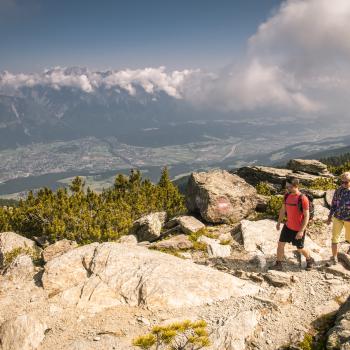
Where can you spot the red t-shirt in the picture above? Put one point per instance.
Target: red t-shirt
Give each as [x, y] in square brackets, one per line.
[294, 216]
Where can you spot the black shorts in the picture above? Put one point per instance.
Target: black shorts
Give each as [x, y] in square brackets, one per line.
[288, 236]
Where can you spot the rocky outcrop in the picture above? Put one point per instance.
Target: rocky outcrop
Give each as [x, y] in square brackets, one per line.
[310, 166]
[58, 248]
[339, 335]
[99, 276]
[255, 174]
[179, 242]
[23, 332]
[220, 197]
[148, 227]
[187, 224]
[11, 240]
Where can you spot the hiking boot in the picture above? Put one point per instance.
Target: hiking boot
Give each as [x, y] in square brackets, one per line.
[310, 264]
[278, 266]
[332, 261]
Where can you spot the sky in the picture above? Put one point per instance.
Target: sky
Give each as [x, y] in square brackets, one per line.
[263, 57]
[104, 34]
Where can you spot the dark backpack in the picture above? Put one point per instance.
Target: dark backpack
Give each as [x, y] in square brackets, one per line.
[300, 205]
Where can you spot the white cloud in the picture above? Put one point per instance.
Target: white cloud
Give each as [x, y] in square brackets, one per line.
[297, 61]
[150, 79]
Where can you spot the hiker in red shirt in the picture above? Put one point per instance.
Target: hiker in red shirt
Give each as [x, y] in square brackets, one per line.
[296, 207]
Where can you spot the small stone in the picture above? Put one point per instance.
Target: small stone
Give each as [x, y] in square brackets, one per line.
[97, 338]
[144, 321]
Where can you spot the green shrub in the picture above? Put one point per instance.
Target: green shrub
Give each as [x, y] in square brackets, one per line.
[323, 184]
[84, 216]
[263, 188]
[186, 335]
[274, 205]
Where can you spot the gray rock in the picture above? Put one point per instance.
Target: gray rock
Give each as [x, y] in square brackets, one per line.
[329, 197]
[11, 240]
[310, 166]
[339, 335]
[314, 193]
[128, 239]
[321, 212]
[262, 203]
[148, 227]
[220, 197]
[235, 331]
[58, 248]
[24, 332]
[277, 278]
[176, 242]
[187, 224]
[214, 248]
[255, 174]
[99, 276]
[21, 268]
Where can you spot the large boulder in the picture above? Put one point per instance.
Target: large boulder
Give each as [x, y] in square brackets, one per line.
[99, 276]
[310, 166]
[24, 332]
[220, 197]
[58, 248]
[148, 227]
[11, 240]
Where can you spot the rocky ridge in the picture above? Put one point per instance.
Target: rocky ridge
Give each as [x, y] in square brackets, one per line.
[102, 295]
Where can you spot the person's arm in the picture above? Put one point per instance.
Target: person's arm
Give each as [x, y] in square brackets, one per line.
[306, 219]
[281, 216]
[333, 207]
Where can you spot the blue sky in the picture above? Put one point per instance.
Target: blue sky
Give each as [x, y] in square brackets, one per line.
[38, 34]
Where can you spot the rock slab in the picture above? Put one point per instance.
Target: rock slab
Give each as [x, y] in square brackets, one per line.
[311, 166]
[23, 332]
[99, 276]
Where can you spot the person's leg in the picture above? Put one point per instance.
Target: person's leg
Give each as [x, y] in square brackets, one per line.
[336, 231]
[280, 251]
[305, 252]
[347, 233]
